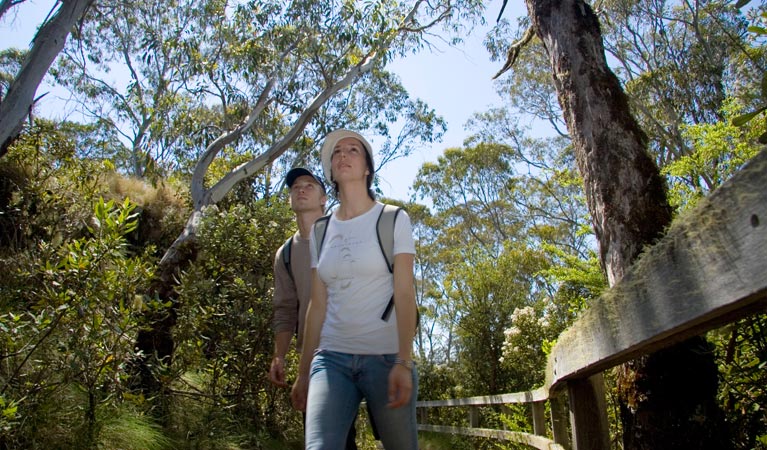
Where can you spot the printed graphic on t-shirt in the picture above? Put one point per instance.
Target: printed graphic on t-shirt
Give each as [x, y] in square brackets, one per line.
[344, 270]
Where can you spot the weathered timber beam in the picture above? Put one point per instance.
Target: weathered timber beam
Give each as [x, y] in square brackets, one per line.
[537, 395]
[710, 268]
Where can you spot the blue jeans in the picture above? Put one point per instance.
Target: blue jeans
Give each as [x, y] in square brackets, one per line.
[338, 383]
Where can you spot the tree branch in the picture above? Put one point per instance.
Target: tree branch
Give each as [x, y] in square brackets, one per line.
[514, 50]
[48, 43]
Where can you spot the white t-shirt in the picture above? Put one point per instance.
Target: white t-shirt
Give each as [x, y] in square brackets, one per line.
[359, 284]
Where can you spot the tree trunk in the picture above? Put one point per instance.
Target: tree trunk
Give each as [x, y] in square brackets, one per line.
[6, 5]
[667, 399]
[154, 343]
[48, 43]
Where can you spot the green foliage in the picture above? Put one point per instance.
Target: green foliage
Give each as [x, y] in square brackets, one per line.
[488, 292]
[224, 327]
[69, 315]
[46, 190]
[518, 417]
[76, 264]
[743, 119]
[719, 150]
[43, 185]
[680, 63]
[741, 349]
[501, 242]
[579, 280]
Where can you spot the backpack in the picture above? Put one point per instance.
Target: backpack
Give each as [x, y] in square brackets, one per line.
[385, 233]
[286, 261]
[286, 257]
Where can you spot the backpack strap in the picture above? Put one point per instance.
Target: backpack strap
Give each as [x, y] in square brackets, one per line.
[385, 232]
[286, 256]
[320, 227]
[286, 250]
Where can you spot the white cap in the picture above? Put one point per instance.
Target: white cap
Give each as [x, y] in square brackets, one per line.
[330, 143]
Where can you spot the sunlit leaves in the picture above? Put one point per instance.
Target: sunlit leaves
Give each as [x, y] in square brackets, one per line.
[501, 240]
[743, 119]
[224, 321]
[719, 150]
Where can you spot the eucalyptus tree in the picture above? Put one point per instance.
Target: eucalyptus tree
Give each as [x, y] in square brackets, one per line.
[128, 77]
[17, 101]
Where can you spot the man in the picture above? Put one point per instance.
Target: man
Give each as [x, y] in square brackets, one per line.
[292, 282]
[292, 289]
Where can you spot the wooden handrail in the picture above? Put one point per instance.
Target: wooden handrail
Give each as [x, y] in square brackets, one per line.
[510, 436]
[708, 270]
[537, 395]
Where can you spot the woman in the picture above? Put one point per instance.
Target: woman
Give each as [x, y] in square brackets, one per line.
[350, 352]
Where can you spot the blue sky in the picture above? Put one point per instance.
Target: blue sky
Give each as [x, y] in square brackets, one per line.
[456, 82]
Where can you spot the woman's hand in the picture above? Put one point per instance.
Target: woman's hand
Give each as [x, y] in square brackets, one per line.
[299, 393]
[400, 386]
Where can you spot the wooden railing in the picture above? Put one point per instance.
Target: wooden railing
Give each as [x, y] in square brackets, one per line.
[708, 270]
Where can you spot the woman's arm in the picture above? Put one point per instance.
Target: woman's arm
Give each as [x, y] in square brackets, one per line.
[400, 378]
[315, 317]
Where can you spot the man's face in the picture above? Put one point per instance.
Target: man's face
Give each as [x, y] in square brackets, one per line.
[306, 195]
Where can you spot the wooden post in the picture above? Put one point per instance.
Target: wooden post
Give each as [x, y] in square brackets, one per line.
[559, 416]
[505, 410]
[588, 414]
[473, 416]
[539, 418]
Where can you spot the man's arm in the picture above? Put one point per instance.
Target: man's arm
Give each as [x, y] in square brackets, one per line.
[281, 346]
[285, 319]
[315, 317]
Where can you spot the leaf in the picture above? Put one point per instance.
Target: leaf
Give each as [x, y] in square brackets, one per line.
[10, 412]
[745, 118]
[742, 3]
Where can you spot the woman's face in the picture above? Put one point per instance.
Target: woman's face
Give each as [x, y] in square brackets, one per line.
[348, 160]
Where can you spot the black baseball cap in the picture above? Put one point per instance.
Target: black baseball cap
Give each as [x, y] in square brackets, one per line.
[290, 178]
